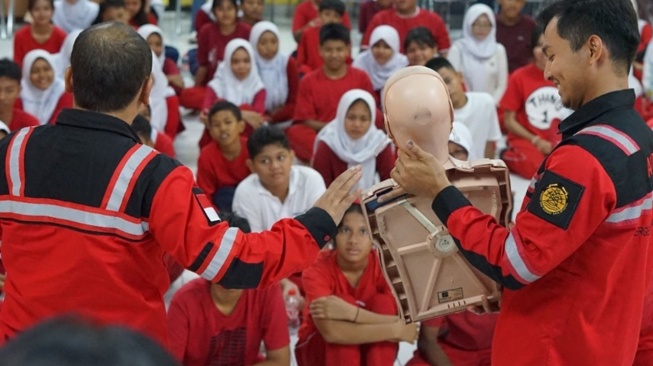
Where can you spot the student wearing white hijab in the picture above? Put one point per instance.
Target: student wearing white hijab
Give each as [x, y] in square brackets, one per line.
[353, 139]
[62, 59]
[277, 70]
[70, 15]
[155, 39]
[383, 58]
[460, 142]
[158, 97]
[478, 55]
[42, 94]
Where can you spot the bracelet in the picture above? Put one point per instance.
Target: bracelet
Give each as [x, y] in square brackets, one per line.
[356, 317]
[535, 139]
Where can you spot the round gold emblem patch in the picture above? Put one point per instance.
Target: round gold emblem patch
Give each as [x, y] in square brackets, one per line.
[554, 199]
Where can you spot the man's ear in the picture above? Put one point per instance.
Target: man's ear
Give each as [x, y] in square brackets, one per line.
[144, 97]
[596, 48]
[68, 80]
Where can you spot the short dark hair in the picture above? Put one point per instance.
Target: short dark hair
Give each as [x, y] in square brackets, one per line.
[354, 208]
[32, 3]
[420, 35]
[438, 63]
[73, 341]
[334, 32]
[10, 70]
[110, 64]
[335, 5]
[142, 126]
[614, 21]
[106, 5]
[264, 136]
[224, 105]
[217, 3]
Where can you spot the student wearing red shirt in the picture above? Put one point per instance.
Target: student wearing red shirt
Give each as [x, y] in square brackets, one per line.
[139, 14]
[351, 318]
[405, 16]
[211, 42]
[222, 162]
[277, 70]
[112, 11]
[252, 11]
[352, 139]
[154, 37]
[10, 77]
[320, 91]
[41, 34]
[514, 33]
[368, 9]
[42, 94]
[532, 113]
[420, 46]
[306, 16]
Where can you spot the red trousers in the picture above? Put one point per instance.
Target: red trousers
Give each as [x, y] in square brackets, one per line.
[315, 351]
[457, 357]
[522, 158]
[193, 98]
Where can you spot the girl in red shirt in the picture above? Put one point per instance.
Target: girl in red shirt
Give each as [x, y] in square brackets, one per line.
[352, 139]
[41, 34]
[154, 37]
[351, 317]
[139, 13]
[42, 94]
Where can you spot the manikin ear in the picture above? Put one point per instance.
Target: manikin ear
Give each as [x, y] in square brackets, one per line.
[68, 80]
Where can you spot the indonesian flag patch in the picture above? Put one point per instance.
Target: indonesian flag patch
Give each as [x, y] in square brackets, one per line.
[209, 211]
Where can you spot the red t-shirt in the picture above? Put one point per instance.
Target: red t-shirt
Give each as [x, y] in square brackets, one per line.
[423, 18]
[465, 331]
[211, 44]
[308, 51]
[517, 41]
[645, 37]
[24, 42]
[324, 277]
[214, 171]
[21, 119]
[318, 95]
[536, 103]
[307, 11]
[169, 67]
[65, 101]
[201, 335]
[367, 11]
[327, 163]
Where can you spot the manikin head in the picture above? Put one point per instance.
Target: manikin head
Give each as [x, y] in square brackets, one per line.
[417, 107]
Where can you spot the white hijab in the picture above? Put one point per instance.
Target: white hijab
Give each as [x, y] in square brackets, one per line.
[146, 31]
[37, 102]
[272, 72]
[62, 59]
[354, 152]
[475, 51]
[79, 15]
[207, 9]
[380, 73]
[160, 92]
[461, 135]
[227, 86]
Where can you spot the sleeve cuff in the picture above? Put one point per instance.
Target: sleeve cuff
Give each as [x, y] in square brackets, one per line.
[447, 201]
[320, 224]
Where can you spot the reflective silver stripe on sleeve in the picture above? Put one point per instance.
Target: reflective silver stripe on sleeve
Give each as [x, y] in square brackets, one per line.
[220, 257]
[633, 212]
[14, 161]
[126, 174]
[517, 262]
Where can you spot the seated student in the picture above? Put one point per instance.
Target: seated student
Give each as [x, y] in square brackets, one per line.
[463, 338]
[361, 326]
[164, 104]
[237, 81]
[154, 37]
[320, 91]
[211, 325]
[382, 59]
[475, 110]
[406, 15]
[151, 137]
[70, 15]
[482, 61]
[10, 79]
[306, 16]
[222, 163]
[139, 13]
[532, 113]
[62, 59]
[42, 94]
[252, 11]
[277, 70]
[368, 10]
[212, 40]
[420, 46]
[645, 37]
[40, 34]
[112, 11]
[514, 33]
[352, 139]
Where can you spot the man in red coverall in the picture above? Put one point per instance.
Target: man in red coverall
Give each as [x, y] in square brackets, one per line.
[87, 211]
[577, 265]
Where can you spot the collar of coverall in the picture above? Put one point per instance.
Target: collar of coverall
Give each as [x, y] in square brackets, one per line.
[95, 121]
[590, 112]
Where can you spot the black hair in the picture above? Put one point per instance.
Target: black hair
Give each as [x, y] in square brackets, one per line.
[264, 136]
[614, 21]
[216, 4]
[10, 70]
[438, 63]
[335, 5]
[420, 35]
[354, 208]
[334, 32]
[72, 341]
[142, 126]
[106, 5]
[102, 86]
[224, 105]
[236, 221]
[32, 3]
[535, 36]
[140, 18]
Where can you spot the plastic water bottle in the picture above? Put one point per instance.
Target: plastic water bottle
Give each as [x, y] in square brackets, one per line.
[292, 309]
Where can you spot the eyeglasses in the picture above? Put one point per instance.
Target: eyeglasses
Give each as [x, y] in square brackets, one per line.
[482, 25]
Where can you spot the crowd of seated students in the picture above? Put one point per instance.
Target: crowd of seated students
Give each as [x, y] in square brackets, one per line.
[280, 127]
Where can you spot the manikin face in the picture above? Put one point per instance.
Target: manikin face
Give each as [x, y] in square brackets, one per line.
[358, 120]
[41, 74]
[381, 52]
[268, 45]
